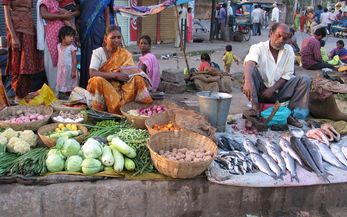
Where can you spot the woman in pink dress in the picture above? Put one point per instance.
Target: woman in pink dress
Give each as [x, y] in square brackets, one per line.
[148, 62]
[53, 19]
[190, 25]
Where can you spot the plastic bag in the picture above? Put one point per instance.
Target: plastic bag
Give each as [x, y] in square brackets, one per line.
[280, 117]
[45, 97]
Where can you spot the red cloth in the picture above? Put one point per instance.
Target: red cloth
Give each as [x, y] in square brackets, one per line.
[302, 23]
[65, 3]
[190, 28]
[204, 65]
[310, 52]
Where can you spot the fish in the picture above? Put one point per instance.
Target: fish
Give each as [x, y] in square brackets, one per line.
[262, 165]
[234, 162]
[261, 145]
[310, 165]
[223, 143]
[250, 147]
[272, 151]
[344, 151]
[285, 145]
[337, 151]
[297, 133]
[328, 155]
[314, 152]
[272, 164]
[290, 164]
[317, 134]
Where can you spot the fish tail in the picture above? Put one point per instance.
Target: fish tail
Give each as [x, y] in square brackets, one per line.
[295, 177]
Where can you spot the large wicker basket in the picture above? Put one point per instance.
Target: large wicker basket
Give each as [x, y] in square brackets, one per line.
[49, 142]
[139, 121]
[33, 125]
[183, 139]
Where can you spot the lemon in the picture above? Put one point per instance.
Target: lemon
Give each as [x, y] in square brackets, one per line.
[61, 126]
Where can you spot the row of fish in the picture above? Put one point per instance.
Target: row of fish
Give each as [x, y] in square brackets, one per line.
[275, 159]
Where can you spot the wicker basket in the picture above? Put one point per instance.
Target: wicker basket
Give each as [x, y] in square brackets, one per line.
[168, 140]
[49, 142]
[58, 106]
[159, 119]
[139, 121]
[33, 125]
[56, 113]
[342, 105]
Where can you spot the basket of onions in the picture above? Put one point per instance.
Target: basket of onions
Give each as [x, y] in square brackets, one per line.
[25, 117]
[137, 113]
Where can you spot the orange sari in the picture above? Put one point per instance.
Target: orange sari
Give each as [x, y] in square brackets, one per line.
[114, 94]
[3, 97]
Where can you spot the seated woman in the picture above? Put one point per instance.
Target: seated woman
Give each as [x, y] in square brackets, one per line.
[340, 51]
[108, 84]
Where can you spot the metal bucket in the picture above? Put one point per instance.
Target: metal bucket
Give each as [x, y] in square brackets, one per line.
[215, 106]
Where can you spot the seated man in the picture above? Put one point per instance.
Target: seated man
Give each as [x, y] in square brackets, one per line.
[269, 75]
[109, 86]
[311, 57]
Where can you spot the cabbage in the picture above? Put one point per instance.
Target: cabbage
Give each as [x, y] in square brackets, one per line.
[54, 151]
[55, 163]
[60, 142]
[92, 149]
[73, 163]
[71, 147]
[91, 166]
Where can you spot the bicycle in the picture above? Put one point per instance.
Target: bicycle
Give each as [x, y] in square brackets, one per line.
[242, 24]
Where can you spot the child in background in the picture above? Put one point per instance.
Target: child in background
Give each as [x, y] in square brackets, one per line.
[205, 62]
[148, 62]
[69, 5]
[323, 51]
[229, 58]
[67, 62]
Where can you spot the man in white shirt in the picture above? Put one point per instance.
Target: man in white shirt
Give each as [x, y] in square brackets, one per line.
[269, 75]
[182, 20]
[325, 18]
[275, 16]
[256, 20]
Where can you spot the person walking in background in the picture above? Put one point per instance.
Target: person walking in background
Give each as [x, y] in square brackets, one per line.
[302, 21]
[67, 62]
[24, 60]
[229, 58]
[189, 25]
[222, 17]
[256, 17]
[54, 21]
[318, 13]
[148, 62]
[275, 15]
[96, 16]
[182, 21]
[296, 20]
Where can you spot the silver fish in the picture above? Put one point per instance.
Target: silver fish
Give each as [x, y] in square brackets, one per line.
[337, 151]
[306, 157]
[285, 145]
[314, 152]
[250, 147]
[272, 164]
[297, 133]
[261, 145]
[290, 164]
[328, 155]
[262, 165]
[276, 156]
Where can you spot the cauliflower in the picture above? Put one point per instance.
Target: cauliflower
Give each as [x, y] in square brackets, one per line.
[9, 133]
[3, 140]
[17, 145]
[29, 136]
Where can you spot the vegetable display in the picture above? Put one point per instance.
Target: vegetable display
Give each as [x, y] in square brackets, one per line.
[18, 142]
[68, 117]
[24, 116]
[149, 111]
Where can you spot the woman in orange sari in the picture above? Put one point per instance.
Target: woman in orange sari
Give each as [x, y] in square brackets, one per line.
[109, 85]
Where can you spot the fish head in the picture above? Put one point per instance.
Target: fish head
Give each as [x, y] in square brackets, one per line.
[298, 133]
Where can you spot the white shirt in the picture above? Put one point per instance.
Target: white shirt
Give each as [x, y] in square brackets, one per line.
[230, 11]
[325, 18]
[275, 15]
[269, 70]
[257, 15]
[98, 58]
